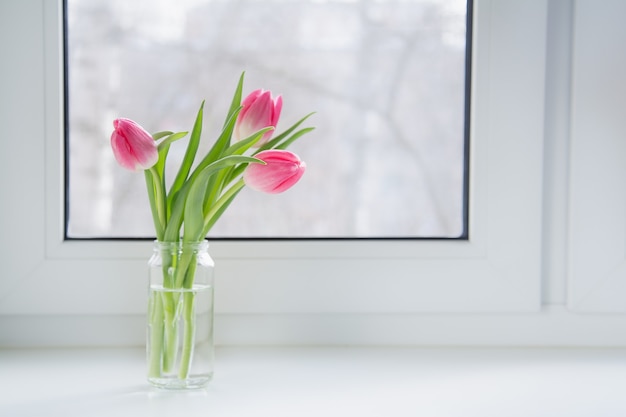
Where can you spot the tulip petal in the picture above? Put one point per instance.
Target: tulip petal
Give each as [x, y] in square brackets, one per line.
[278, 106]
[259, 110]
[133, 147]
[250, 98]
[282, 170]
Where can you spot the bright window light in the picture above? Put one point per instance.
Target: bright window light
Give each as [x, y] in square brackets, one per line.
[388, 81]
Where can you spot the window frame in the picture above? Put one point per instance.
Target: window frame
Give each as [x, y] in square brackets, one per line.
[498, 269]
[597, 221]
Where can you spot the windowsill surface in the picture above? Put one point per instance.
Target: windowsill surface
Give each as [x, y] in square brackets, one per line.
[333, 381]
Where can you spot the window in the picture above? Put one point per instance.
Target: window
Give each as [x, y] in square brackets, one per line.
[387, 80]
[496, 270]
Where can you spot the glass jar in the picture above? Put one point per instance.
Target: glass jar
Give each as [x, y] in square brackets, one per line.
[180, 347]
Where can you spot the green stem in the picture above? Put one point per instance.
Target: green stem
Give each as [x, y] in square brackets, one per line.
[189, 335]
[169, 306]
[156, 335]
[160, 198]
[152, 198]
[170, 338]
[224, 199]
[187, 260]
[189, 317]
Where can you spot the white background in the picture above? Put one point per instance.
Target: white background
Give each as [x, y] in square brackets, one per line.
[544, 264]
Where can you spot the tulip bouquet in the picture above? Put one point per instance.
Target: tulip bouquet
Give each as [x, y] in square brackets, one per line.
[245, 153]
[196, 199]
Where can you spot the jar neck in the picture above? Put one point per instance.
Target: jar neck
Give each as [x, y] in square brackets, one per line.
[180, 246]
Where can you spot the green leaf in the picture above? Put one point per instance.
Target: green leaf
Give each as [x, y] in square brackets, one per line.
[152, 197]
[160, 165]
[175, 221]
[238, 148]
[194, 201]
[274, 142]
[225, 177]
[189, 157]
[235, 104]
[171, 138]
[292, 138]
[218, 147]
[176, 200]
[223, 140]
[159, 135]
[164, 148]
[209, 221]
[214, 188]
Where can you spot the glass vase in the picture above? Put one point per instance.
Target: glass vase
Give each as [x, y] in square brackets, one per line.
[180, 348]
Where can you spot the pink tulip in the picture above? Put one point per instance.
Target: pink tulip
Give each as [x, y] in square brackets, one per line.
[133, 147]
[259, 110]
[282, 170]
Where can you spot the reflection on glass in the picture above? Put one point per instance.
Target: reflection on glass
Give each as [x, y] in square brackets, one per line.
[386, 79]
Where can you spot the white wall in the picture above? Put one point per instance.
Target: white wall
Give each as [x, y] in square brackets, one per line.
[562, 279]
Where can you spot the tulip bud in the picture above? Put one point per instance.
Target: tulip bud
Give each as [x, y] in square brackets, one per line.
[259, 110]
[133, 147]
[282, 170]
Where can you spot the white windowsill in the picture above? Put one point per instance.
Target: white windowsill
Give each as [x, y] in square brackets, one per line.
[328, 381]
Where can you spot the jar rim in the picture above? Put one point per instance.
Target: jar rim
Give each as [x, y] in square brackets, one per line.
[163, 245]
